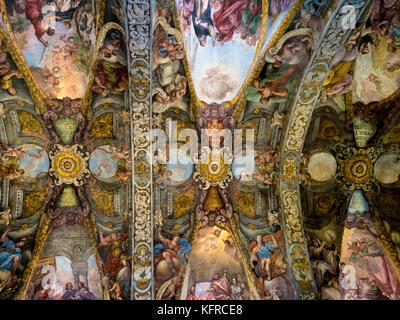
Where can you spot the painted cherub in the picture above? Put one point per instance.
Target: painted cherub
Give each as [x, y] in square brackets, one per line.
[304, 178]
[173, 289]
[270, 89]
[267, 156]
[267, 163]
[122, 154]
[13, 152]
[9, 163]
[169, 46]
[273, 218]
[13, 174]
[170, 95]
[186, 8]
[163, 177]
[6, 74]
[263, 177]
[304, 175]
[122, 176]
[268, 159]
[115, 290]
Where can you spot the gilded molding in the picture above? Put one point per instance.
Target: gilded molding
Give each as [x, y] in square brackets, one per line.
[251, 278]
[284, 25]
[87, 99]
[91, 227]
[388, 244]
[41, 236]
[307, 96]
[194, 100]
[139, 28]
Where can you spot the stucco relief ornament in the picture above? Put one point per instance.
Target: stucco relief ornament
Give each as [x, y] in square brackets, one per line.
[326, 49]
[139, 37]
[142, 267]
[213, 169]
[356, 167]
[69, 165]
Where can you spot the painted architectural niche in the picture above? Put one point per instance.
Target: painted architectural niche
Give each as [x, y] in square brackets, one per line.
[199, 150]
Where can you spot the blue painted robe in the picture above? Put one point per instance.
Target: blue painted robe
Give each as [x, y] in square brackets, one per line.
[266, 251]
[7, 253]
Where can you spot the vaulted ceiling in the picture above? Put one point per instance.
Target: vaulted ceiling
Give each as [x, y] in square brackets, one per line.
[313, 192]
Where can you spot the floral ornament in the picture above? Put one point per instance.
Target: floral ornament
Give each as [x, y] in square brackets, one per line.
[290, 170]
[213, 169]
[69, 165]
[355, 167]
[300, 262]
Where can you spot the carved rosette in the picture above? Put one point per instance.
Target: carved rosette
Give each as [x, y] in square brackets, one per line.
[69, 165]
[356, 168]
[213, 169]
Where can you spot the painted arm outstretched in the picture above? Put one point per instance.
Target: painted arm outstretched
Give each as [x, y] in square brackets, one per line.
[159, 234]
[4, 235]
[274, 242]
[103, 242]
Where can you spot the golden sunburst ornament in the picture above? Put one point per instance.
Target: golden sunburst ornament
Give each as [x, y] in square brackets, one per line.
[356, 167]
[213, 169]
[69, 165]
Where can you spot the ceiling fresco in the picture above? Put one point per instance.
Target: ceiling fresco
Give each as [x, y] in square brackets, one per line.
[199, 150]
[66, 160]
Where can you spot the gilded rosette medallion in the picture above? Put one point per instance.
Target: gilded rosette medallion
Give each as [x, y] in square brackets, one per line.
[69, 165]
[213, 169]
[356, 167]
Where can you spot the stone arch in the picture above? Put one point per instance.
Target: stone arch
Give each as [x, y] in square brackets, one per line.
[299, 119]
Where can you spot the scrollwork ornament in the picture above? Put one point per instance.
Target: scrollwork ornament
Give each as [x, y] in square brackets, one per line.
[333, 37]
[139, 44]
